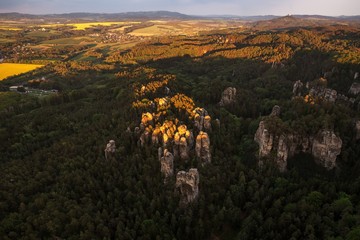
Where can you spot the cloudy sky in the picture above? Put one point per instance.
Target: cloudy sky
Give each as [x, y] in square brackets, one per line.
[199, 7]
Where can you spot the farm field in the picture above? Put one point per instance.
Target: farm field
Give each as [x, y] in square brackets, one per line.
[83, 26]
[11, 69]
[157, 30]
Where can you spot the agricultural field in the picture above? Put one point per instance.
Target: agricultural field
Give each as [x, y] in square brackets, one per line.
[191, 27]
[70, 41]
[83, 26]
[157, 30]
[11, 69]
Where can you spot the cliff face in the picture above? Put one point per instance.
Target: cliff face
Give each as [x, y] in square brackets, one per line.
[203, 147]
[325, 146]
[167, 163]
[264, 139]
[188, 185]
[355, 88]
[110, 149]
[357, 129]
[228, 96]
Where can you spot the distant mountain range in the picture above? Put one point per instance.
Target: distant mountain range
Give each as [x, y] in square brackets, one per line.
[95, 16]
[162, 15]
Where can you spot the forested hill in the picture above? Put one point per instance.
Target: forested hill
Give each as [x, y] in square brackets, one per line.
[58, 183]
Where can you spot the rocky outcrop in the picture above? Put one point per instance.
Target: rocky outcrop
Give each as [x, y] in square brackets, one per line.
[228, 96]
[264, 139]
[354, 89]
[275, 111]
[356, 75]
[282, 153]
[297, 88]
[202, 147]
[167, 164]
[110, 149]
[147, 119]
[326, 147]
[357, 129]
[188, 185]
[326, 94]
[183, 142]
[202, 120]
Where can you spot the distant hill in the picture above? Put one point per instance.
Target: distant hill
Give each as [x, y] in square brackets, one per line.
[260, 21]
[98, 16]
[292, 21]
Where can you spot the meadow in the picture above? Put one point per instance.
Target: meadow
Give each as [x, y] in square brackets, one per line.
[11, 69]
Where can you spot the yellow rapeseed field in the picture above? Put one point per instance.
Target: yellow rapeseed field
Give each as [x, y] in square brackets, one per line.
[83, 26]
[10, 69]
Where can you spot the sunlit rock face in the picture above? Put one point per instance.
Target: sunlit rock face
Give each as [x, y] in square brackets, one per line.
[297, 88]
[167, 164]
[147, 119]
[228, 96]
[183, 141]
[355, 88]
[207, 123]
[202, 120]
[188, 185]
[326, 147]
[202, 147]
[110, 149]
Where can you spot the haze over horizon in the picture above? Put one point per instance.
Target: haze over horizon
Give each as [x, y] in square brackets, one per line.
[191, 7]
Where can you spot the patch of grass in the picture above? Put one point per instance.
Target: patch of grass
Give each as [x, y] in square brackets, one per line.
[11, 69]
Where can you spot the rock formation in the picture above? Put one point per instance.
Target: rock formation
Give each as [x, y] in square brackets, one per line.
[188, 185]
[357, 129]
[297, 88]
[203, 147]
[228, 96]
[207, 123]
[275, 111]
[354, 89]
[264, 139]
[167, 164]
[183, 141]
[326, 94]
[326, 147]
[110, 149]
[202, 120]
[147, 119]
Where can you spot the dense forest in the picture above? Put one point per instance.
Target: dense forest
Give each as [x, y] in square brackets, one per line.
[57, 183]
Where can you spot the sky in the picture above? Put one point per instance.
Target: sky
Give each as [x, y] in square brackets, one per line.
[192, 7]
